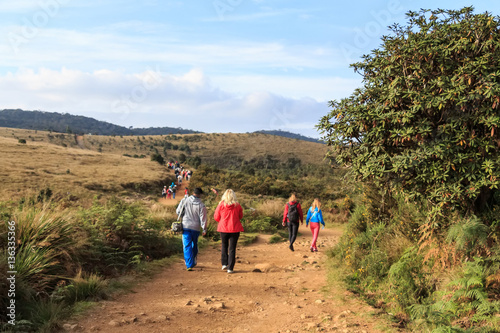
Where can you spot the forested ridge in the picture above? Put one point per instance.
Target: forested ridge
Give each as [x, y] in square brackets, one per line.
[67, 123]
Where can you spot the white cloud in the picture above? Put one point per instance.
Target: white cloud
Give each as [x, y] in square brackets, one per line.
[106, 47]
[321, 89]
[19, 6]
[153, 98]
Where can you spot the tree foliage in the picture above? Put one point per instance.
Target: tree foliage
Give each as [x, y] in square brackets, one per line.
[427, 117]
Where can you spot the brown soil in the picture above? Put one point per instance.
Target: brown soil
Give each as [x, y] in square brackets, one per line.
[272, 290]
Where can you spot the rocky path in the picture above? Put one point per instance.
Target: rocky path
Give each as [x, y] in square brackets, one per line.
[272, 290]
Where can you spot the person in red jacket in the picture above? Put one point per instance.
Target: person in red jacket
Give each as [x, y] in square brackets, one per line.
[229, 213]
[291, 216]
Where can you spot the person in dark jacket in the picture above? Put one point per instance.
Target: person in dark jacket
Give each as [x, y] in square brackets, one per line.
[228, 214]
[291, 216]
[194, 219]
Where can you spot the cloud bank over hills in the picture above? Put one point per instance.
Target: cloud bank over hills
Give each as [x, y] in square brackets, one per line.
[154, 98]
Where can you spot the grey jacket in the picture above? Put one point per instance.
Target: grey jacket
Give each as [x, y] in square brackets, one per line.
[195, 213]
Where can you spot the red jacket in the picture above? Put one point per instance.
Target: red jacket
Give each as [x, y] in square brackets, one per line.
[229, 217]
[299, 209]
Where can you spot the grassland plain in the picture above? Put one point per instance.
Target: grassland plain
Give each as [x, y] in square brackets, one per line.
[93, 164]
[205, 145]
[31, 167]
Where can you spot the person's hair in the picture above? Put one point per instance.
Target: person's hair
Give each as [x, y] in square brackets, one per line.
[316, 203]
[198, 191]
[229, 197]
[292, 197]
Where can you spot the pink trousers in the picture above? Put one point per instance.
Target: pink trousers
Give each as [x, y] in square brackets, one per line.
[315, 233]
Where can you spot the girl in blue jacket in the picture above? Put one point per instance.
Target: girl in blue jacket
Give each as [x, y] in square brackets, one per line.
[315, 216]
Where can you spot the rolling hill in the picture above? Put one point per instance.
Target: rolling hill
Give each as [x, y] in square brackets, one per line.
[67, 123]
[33, 159]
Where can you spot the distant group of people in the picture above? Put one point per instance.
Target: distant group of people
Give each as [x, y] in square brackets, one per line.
[180, 174]
[167, 193]
[228, 215]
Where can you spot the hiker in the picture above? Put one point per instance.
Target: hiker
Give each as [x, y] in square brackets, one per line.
[174, 189]
[179, 179]
[291, 216]
[186, 192]
[228, 214]
[194, 218]
[164, 192]
[315, 216]
[169, 192]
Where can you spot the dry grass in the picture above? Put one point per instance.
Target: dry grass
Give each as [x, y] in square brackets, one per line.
[96, 164]
[273, 207]
[229, 145]
[253, 145]
[38, 165]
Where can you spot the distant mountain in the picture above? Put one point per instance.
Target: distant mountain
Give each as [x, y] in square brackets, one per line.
[290, 135]
[67, 123]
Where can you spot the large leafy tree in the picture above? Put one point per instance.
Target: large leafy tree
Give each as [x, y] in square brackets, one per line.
[428, 114]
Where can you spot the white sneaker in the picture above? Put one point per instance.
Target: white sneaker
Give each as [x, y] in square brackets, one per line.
[224, 267]
[229, 271]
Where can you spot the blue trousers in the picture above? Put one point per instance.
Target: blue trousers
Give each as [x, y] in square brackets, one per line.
[190, 245]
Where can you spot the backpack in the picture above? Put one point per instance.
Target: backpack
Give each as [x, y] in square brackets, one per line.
[293, 213]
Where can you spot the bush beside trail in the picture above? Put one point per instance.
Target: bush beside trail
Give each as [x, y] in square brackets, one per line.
[422, 138]
[65, 255]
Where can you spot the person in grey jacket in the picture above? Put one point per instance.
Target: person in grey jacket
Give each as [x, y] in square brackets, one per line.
[194, 219]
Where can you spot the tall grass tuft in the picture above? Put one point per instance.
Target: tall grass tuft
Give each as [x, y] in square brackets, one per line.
[84, 287]
[273, 208]
[47, 242]
[46, 315]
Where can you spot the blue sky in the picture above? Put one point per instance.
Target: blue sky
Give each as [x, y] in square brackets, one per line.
[208, 65]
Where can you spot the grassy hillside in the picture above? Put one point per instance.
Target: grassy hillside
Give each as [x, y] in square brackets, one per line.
[106, 164]
[289, 135]
[38, 165]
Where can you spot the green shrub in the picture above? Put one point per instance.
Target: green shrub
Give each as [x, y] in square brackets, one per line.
[121, 235]
[469, 235]
[463, 305]
[278, 237]
[48, 241]
[409, 281]
[83, 288]
[46, 315]
[158, 158]
[260, 224]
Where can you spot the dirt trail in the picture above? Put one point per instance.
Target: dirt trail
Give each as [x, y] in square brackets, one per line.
[271, 290]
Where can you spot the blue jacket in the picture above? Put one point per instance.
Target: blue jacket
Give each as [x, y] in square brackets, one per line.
[315, 216]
